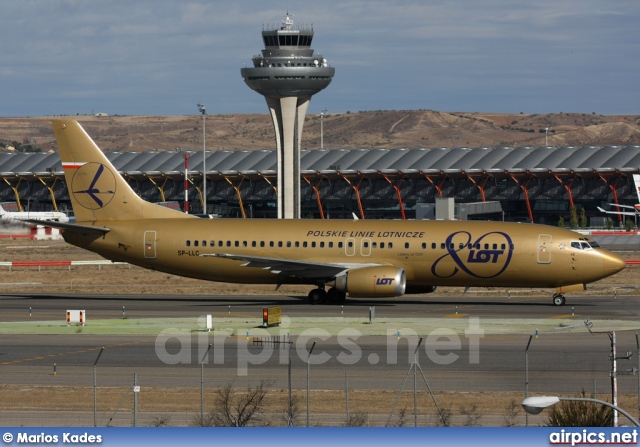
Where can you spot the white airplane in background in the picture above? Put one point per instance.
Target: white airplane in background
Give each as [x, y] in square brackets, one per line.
[635, 208]
[8, 217]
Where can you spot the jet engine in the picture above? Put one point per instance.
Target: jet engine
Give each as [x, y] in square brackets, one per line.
[373, 282]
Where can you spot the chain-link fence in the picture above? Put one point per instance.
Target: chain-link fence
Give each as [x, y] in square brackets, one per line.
[358, 383]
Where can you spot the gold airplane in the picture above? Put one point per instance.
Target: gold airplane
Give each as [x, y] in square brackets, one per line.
[364, 259]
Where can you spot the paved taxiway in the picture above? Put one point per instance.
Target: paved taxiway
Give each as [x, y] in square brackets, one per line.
[564, 359]
[16, 307]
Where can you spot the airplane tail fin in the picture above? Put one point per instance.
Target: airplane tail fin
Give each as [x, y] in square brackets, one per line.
[96, 189]
[636, 180]
[2, 211]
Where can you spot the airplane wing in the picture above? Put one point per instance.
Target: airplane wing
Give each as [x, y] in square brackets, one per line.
[625, 213]
[76, 228]
[288, 267]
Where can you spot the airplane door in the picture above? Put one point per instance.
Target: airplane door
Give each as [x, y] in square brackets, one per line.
[150, 244]
[544, 249]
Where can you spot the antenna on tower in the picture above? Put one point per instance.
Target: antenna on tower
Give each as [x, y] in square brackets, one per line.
[287, 23]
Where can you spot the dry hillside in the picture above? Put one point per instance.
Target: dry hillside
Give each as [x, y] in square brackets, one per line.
[376, 129]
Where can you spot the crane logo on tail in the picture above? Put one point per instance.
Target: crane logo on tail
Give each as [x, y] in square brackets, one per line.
[93, 186]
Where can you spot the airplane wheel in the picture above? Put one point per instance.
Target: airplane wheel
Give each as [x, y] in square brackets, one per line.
[334, 296]
[317, 296]
[558, 299]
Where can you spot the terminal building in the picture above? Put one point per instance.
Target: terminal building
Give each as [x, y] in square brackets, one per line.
[531, 184]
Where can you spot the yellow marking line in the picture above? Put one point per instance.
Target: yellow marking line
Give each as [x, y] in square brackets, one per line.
[499, 338]
[561, 317]
[233, 314]
[72, 352]
[458, 315]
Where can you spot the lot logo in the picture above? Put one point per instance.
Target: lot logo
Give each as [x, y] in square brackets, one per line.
[474, 257]
[384, 281]
[93, 186]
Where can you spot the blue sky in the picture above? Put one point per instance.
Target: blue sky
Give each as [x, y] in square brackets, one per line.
[161, 57]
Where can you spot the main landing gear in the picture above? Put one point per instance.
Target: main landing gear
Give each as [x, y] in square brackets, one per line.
[320, 296]
[558, 299]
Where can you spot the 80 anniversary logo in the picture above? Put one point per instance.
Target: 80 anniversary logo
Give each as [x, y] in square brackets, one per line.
[479, 263]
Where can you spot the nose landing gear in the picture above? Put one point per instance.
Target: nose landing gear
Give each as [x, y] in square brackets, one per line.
[558, 299]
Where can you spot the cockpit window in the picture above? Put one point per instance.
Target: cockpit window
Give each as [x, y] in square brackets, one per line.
[594, 244]
[576, 245]
[581, 245]
[585, 245]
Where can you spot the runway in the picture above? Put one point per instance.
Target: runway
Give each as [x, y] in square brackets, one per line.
[475, 350]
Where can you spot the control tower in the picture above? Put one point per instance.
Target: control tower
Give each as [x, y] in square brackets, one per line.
[287, 74]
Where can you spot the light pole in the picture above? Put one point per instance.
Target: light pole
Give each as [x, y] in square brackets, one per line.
[322, 112]
[203, 110]
[308, 362]
[546, 136]
[535, 405]
[290, 413]
[526, 378]
[202, 385]
[614, 357]
[95, 387]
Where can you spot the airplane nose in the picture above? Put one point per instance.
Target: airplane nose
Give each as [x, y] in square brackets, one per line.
[613, 263]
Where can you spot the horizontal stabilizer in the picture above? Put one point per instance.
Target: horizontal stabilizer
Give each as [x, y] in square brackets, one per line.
[72, 228]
